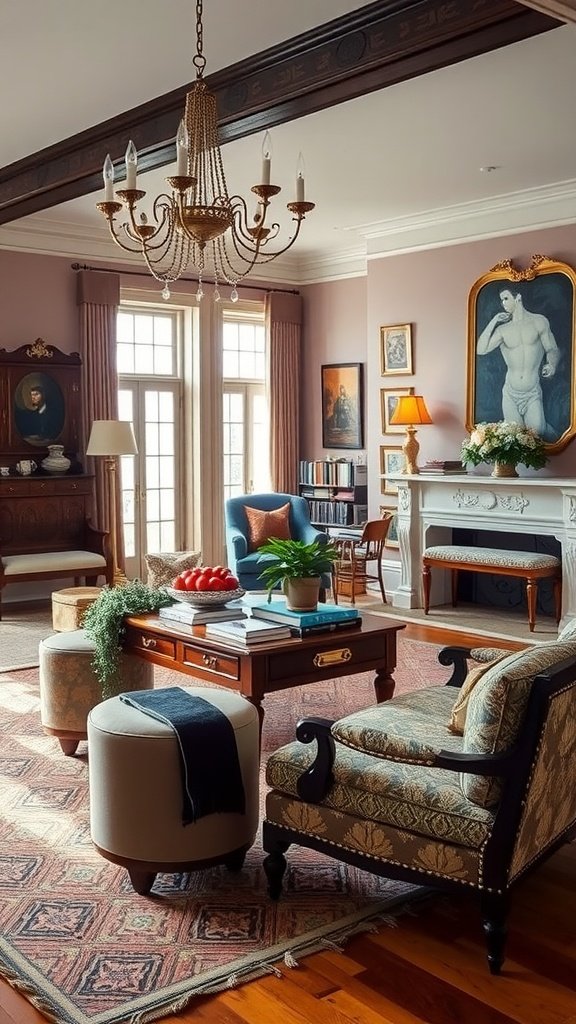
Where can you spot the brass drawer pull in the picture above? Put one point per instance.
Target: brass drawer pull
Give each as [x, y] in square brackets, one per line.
[148, 641]
[210, 661]
[332, 657]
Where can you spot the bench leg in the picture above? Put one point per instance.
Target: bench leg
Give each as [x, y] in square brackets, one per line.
[454, 574]
[558, 599]
[531, 592]
[426, 584]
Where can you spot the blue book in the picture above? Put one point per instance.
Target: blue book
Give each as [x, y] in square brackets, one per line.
[276, 611]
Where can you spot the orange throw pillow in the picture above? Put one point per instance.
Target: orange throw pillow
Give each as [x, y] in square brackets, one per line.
[264, 525]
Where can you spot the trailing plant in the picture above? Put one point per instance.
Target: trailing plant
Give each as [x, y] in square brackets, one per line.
[504, 442]
[295, 560]
[104, 625]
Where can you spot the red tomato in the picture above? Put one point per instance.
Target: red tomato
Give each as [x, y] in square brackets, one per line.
[216, 583]
[189, 583]
[202, 582]
[178, 583]
[230, 583]
[219, 571]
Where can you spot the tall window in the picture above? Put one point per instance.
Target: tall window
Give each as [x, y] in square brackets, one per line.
[149, 394]
[245, 405]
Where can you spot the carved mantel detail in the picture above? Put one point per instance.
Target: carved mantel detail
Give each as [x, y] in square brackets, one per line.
[429, 507]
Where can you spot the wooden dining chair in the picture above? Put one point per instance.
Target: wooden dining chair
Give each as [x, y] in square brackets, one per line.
[351, 569]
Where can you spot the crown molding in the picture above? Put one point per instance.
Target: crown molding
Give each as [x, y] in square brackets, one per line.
[514, 213]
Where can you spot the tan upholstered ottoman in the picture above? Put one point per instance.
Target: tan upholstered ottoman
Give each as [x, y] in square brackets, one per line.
[69, 688]
[136, 792]
[69, 606]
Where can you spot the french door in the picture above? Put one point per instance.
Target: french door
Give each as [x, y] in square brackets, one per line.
[150, 481]
[245, 439]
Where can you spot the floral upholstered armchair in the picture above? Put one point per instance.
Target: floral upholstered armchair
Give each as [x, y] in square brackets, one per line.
[463, 786]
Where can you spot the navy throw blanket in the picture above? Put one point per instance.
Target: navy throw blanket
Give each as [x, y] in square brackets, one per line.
[209, 765]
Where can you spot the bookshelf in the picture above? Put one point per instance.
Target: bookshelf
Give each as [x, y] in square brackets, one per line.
[336, 491]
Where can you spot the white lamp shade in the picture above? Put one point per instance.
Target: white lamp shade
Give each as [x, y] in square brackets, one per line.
[112, 437]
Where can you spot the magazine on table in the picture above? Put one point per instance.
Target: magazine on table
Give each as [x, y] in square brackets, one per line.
[276, 611]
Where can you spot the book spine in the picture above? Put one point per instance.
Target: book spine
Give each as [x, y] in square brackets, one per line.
[330, 627]
[316, 619]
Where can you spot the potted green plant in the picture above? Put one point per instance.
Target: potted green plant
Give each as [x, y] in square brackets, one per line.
[297, 568]
[104, 625]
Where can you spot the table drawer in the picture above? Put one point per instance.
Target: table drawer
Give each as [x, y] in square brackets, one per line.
[149, 642]
[358, 652]
[212, 662]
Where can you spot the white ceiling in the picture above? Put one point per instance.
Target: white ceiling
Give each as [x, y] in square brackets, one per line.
[401, 165]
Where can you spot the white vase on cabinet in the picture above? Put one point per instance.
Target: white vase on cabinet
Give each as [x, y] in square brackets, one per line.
[56, 461]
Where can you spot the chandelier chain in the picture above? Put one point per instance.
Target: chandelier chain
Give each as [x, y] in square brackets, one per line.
[199, 60]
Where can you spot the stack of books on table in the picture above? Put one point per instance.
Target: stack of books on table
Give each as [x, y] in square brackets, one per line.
[328, 618]
[443, 466]
[247, 633]
[180, 612]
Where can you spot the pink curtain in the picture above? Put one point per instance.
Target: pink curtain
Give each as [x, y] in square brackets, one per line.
[284, 327]
[98, 296]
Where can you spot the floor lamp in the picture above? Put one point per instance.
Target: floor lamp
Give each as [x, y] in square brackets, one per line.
[112, 438]
[410, 412]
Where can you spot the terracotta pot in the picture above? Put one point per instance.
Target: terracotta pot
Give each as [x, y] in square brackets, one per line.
[302, 594]
[504, 469]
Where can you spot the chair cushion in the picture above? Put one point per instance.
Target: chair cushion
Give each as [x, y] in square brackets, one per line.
[416, 800]
[262, 525]
[459, 711]
[165, 566]
[497, 706]
[52, 561]
[409, 728]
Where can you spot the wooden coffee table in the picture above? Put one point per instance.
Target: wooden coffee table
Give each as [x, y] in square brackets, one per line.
[278, 665]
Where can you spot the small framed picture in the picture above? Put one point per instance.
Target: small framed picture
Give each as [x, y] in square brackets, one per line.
[396, 350]
[388, 402]
[392, 462]
[392, 535]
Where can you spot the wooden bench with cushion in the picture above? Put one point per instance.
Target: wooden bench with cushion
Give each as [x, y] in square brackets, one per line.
[527, 565]
[45, 532]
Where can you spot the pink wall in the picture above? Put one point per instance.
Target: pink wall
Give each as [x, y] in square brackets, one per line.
[334, 332]
[429, 290]
[37, 300]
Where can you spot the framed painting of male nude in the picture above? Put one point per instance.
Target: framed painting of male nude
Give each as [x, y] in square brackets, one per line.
[521, 349]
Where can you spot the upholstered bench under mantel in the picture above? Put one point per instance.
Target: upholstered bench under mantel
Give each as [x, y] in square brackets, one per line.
[527, 565]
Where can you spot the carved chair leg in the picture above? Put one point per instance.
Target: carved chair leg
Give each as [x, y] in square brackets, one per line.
[531, 593]
[494, 907]
[426, 583]
[274, 867]
[454, 575]
[557, 599]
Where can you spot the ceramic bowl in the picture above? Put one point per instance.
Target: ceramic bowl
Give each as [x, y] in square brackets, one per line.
[206, 598]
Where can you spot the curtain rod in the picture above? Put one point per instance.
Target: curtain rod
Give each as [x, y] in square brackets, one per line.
[142, 273]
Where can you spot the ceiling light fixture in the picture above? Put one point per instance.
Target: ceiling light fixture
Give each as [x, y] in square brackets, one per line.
[198, 223]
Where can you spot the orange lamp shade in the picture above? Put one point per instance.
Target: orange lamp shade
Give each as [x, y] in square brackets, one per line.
[410, 410]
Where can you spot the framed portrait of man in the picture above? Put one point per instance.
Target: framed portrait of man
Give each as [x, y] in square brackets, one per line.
[342, 405]
[521, 338]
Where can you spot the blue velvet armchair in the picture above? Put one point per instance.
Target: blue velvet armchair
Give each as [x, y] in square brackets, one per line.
[246, 565]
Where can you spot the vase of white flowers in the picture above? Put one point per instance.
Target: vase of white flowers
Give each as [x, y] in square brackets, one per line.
[504, 444]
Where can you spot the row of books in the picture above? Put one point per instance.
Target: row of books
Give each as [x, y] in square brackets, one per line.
[335, 473]
[268, 621]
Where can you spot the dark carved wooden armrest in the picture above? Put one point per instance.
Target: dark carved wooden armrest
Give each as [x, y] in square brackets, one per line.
[315, 783]
[457, 657]
[96, 540]
[477, 764]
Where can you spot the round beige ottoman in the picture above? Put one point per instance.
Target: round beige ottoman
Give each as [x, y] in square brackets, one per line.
[69, 606]
[69, 687]
[136, 792]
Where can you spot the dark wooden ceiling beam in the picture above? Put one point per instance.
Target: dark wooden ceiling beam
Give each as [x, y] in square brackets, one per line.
[376, 46]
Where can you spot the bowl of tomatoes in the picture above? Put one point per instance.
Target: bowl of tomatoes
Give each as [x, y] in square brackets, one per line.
[206, 586]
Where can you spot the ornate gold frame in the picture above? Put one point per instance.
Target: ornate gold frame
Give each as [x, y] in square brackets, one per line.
[556, 300]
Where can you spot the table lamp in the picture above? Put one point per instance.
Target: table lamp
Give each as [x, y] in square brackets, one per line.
[111, 438]
[411, 410]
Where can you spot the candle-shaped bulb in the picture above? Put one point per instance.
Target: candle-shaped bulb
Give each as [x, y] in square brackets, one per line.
[182, 150]
[266, 158]
[108, 175]
[131, 158]
[300, 179]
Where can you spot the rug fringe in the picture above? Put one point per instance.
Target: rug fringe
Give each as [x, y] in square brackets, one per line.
[19, 985]
[289, 958]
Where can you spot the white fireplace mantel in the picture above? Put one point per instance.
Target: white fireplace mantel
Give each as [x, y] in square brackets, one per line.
[430, 505]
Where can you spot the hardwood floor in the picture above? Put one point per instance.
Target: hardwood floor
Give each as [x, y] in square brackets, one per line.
[430, 969]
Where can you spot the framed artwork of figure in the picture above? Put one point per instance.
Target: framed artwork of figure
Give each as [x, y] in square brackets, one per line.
[521, 356]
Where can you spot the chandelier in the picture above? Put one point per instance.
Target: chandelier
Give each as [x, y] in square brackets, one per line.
[198, 224]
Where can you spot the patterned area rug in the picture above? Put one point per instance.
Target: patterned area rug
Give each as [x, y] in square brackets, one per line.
[84, 948]
[21, 631]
